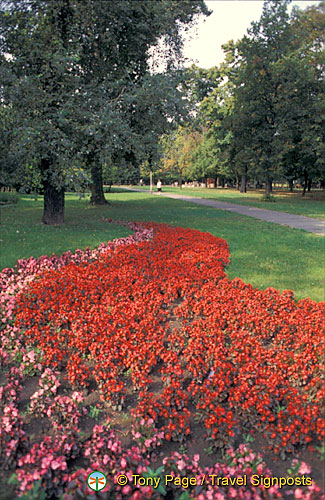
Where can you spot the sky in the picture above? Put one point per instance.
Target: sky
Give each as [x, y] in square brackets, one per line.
[229, 20]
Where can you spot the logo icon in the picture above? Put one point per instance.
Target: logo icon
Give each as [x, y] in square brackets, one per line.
[96, 480]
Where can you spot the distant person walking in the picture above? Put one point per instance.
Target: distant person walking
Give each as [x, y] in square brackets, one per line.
[159, 186]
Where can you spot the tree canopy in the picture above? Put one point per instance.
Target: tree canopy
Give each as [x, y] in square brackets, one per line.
[72, 72]
[79, 101]
[261, 112]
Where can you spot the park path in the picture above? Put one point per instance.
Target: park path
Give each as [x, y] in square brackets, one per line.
[308, 224]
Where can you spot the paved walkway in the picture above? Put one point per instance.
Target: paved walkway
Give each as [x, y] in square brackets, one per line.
[283, 218]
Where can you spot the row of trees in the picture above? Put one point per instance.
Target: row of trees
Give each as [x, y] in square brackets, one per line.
[80, 101]
[260, 115]
[77, 96]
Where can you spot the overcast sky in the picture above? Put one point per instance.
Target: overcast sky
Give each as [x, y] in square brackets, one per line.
[229, 20]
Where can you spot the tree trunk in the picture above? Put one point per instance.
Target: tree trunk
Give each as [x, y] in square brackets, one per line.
[222, 182]
[97, 190]
[268, 187]
[217, 181]
[243, 183]
[291, 185]
[237, 182]
[305, 183]
[150, 181]
[53, 212]
[309, 185]
[180, 181]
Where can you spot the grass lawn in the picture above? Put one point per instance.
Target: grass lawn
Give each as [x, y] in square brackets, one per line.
[23, 235]
[263, 254]
[311, 205]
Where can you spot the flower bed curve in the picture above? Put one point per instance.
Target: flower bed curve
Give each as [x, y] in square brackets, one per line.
[245, 359]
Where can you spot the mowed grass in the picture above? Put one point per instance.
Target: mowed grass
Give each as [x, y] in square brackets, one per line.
[23, 234]
[263, 254]
[311, 205]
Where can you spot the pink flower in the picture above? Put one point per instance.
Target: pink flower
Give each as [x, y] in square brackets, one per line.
[46, 461]
[136, 496]
[115, 447]
[55, 464]
[123, 463]
[232, 493]
[77, 397]
[181, 464]
[259, 468]
[304, 469]
[31, 355]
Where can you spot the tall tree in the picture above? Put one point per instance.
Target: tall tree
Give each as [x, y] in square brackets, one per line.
[38, 87]
[214, 112]
[66, 66]
[121, 72]
[278, 88]
[179, 150]
[256, 92]
[300, 104]
[154, 108]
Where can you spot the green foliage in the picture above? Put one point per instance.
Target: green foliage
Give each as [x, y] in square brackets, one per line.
[150, 473]
[179, 151]
[260, 114]
[209, 450]
[200, 83]
[300, 104]
[254, 118]
[248, 438]
[198, 151]
[95, 411]
[321, 451]
[277, 90]
[80, 95]
[185, 495]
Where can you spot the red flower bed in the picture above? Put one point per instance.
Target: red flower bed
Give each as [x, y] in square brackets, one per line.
[246, 359]
[239, 361]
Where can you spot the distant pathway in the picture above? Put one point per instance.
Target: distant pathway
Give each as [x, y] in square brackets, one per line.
[309, 224]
